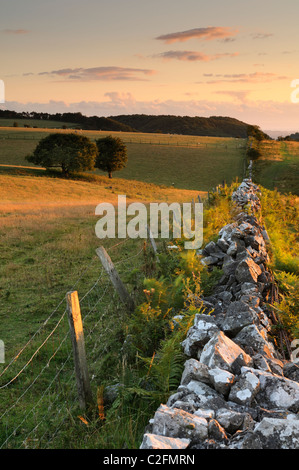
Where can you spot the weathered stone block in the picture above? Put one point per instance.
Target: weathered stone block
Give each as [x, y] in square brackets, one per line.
[195, 370]
[222, 352]
[245, 389]
[222, 380]
[273, 433]
[247, 271]
[179, 424]
[254, 338]
[153, 441]
[276, 391]
[238, 315]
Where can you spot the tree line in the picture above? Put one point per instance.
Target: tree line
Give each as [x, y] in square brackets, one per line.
[214, 126]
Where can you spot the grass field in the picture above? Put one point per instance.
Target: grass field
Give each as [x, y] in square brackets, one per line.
[278, 168]
[36, 123]
[48, 242]
[47, 233]
[185, 162]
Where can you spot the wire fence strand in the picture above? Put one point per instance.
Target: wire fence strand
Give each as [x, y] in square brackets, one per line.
[50, 405]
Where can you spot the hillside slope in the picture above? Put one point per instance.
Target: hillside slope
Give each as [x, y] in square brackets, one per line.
[216, 126]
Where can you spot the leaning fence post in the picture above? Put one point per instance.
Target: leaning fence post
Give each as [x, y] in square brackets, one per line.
[114, 278]
[153, 243]
[77, 338]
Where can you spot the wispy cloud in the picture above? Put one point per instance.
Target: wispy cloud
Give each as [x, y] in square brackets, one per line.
[100, 73]
[290, 52]
[193, 56]
[261, 35]
[256, 77]
[14, 31]
[237, 95]
[207, 34]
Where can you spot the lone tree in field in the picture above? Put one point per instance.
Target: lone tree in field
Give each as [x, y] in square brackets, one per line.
[112, 154]
[70, 152]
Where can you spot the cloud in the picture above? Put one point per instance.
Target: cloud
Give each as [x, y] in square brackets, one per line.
[100, 73]
[15, 31]
[121, 99]
[290, 52]
[261, 35]
[207, 34]
[237, 95]
[256, 77]
[227, 40]
[193, 56]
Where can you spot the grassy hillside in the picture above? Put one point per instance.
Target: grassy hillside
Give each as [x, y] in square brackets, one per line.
[186, 162]
[47, 233]
[75, 120]
[48, 242]
[39, 123]
[278, 166]
[216, 126]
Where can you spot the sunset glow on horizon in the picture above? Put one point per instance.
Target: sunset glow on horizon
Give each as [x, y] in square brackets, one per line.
[193, 58]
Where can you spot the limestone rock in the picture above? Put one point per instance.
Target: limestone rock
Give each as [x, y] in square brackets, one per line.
[179, 424]
[273, 433]
[195, 370]
[198, 335]
[232, 249]
[207, 397]
[247, 271]
[291, 371]
[217, 432]
[238, 315]
[222, 352]
[207, 414]
[233, 421]
[229, 265]
[276, 391]
[245, 389]
[221, 380]
[254, 340]
[154, 441]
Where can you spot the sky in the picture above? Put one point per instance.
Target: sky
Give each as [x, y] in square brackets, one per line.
[108, 57]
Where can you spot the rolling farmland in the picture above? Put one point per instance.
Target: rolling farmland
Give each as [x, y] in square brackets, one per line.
[184, 162]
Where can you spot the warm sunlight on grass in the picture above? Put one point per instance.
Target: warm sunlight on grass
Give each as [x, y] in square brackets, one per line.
[30, 193]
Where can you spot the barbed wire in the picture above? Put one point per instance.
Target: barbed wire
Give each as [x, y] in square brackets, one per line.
[54, 330]
[45, 322]
[51, 383]
[35, 352]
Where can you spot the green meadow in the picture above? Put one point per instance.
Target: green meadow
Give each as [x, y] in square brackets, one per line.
[184, 162]
[278, 168]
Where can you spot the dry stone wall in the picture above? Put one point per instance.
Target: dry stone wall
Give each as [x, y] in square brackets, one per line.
[236, 391]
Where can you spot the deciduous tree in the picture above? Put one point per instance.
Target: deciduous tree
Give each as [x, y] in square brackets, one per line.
[112, 154]
[70, 152]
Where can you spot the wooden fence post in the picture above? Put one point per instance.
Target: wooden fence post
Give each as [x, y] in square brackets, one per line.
[114, 278]
[153, 243]
[77, 338]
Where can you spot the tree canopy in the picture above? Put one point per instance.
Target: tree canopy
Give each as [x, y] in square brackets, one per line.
[70, 152]
[112, 154]
[257, 133]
